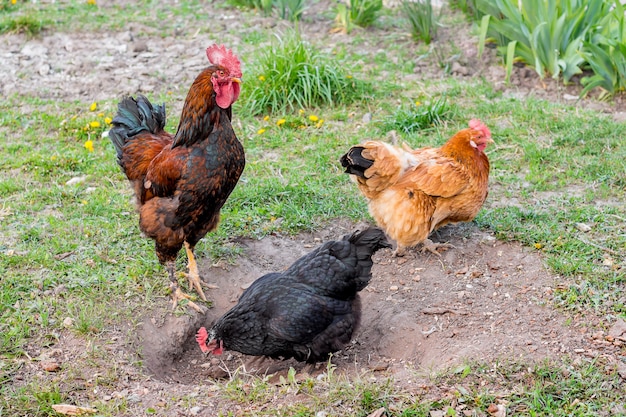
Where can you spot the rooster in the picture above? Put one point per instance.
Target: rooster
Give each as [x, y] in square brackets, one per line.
[411, 193]
[181, 181]
[306, 312]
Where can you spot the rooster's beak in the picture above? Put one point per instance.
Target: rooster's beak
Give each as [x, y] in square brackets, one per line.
[235, 79]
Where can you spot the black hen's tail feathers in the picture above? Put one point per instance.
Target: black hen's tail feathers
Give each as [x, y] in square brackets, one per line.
[354, 162]
[134, 116]
[367, 242]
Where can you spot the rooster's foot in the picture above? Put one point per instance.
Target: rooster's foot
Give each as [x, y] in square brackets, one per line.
[178, 295]
[430, 246]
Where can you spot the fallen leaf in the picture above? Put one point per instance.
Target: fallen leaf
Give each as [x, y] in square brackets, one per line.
[63, 255]
[377, 413]
[497, 410]
[618, 330]
[72, 410]
[50, 366]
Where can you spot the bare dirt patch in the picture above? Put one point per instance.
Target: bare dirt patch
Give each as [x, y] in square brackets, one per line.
[482, 300]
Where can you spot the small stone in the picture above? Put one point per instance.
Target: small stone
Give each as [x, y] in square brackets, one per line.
[76, 180]
[194, 411]
[367, 117]
[583, 227]
[133, 398]
[44, 69]
[393, 288]
[68, 322]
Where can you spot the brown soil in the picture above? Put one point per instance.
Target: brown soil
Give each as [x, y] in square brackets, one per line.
[481, 300]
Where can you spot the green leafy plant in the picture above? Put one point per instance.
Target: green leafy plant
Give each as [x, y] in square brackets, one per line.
[357, 12]
[265, 6]
[292, 74]
[290, 9]
[31, 24]
[547, 35]
[422, 19]
[606, 55]
[418, 116]
[466, 6]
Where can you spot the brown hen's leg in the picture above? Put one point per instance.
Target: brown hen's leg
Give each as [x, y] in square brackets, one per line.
[430, 246]
[399, 252]
[193, 275]
[177, 294]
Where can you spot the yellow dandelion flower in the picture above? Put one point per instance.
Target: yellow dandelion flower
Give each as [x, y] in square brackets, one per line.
[417, 103]
[89, 145]
[91, 2]
[320, 123]
[94, 124]
[301, 112]
[100, 114]
[261, 77]
[93, 106]
[83, 202]
[280, 122]
[108, 120]
[53, 158]
[538, 246]
[13, 1]
[313, 118]
[348, 76]
[266, 118]
[260, 131]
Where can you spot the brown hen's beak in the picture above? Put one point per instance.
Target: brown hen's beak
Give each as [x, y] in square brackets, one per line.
[235, 79]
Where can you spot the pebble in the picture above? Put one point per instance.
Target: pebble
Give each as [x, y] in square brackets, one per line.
[194, 411]
[133, 398]
[393, 288]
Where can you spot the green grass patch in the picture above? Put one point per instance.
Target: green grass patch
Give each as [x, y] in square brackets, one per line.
[292, 74]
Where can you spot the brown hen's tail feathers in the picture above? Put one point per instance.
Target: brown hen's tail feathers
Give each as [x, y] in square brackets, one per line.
[135, 116]
[355, 163]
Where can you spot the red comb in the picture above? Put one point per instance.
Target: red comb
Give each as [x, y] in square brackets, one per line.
[201, 338]
[478, 125]
[220, 55]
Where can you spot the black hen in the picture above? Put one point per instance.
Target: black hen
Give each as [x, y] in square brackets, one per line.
[306, 312]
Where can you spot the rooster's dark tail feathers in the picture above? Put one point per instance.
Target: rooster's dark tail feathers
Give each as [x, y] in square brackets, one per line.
[134, 116]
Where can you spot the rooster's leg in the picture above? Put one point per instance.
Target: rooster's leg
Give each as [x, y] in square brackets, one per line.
[194, 276]
[177, 294]
[430, 246]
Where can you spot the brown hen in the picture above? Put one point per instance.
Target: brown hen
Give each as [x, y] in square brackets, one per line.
[413, 192]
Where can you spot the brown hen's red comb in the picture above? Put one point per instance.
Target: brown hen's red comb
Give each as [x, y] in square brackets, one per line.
[220, 55]
[478, 125]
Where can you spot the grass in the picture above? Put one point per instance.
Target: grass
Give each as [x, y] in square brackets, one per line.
[292, 74]
[73, 263]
